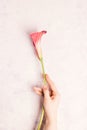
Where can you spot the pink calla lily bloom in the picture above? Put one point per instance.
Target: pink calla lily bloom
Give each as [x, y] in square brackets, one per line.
[36, 37]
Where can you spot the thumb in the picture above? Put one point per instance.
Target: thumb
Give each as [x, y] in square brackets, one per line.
[46, 92]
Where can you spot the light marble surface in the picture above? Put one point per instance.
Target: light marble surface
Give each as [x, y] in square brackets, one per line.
[65, 58]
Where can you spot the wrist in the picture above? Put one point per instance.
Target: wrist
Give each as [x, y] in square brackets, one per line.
[51, 124]
[51, 120]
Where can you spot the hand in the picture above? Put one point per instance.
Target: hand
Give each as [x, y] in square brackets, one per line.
[50, 100]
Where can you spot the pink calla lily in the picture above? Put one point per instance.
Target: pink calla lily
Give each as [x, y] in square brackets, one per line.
[36, 37]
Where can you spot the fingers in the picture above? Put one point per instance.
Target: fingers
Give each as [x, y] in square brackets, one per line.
[42, 91]
[38, 91]
[46, 92]
[51, 84]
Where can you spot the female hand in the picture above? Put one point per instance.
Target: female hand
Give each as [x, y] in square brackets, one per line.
[51, 99]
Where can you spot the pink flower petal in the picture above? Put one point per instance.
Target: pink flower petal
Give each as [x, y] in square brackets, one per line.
[37, 36]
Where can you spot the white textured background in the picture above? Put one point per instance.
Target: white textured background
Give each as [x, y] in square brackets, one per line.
[65, 55]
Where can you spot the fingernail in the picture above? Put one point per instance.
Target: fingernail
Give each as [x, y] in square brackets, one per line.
[34, 88]
[45, 87]
[46, 75]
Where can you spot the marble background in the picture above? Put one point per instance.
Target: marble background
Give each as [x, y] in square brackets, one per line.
[65, 58]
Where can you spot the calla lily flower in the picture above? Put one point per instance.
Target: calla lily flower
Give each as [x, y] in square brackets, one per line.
[36, 37]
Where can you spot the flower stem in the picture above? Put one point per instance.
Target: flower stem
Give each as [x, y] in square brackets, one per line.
[42, 64]
[44, 82]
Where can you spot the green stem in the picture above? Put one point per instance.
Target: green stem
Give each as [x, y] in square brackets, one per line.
[41, 119]
[44, 81]
[42, 64]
